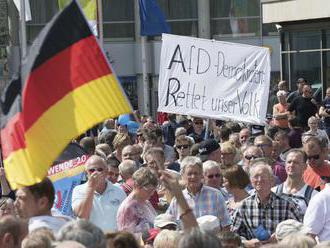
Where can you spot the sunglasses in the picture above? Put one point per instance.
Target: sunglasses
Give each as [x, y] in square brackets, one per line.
[198, 123]
[95, 169]
[250, 157]
[314, 157]
[182, 146]
[215, 175]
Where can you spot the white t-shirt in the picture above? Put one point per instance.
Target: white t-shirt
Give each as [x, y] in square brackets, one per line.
[105, 206]
[301, 203]
[317, 216]
[54, 223]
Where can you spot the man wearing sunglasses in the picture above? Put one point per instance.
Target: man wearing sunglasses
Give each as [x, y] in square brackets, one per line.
[98, 199]
[198, 133]
[317, 164]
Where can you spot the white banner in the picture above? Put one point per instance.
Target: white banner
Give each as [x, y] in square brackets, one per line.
[213, 79]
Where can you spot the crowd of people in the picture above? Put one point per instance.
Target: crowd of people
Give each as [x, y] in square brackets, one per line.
[185, 181]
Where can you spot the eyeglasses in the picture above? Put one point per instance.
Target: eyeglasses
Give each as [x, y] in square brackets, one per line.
[214, 176]
[182, 146]
[262, 145]
[198, 123]
[149, 187]
[314, 157]
[95, 169]
[250, 157]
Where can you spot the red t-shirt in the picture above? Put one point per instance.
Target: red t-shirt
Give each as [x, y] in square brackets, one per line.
[312, 176]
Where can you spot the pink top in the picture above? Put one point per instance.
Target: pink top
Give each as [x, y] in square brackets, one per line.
[134, 216]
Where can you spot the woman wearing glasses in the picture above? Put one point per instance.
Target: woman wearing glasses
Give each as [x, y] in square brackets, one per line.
[182, 146]
[136, 214]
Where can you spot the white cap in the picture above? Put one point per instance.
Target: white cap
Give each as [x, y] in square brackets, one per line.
[209, 223]
[163, 220]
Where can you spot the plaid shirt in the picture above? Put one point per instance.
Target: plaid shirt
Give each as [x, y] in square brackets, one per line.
[252, 213]
[208, 201]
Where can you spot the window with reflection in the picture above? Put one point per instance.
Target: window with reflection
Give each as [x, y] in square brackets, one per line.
[306, 65]
[305, 40]
[235, 17]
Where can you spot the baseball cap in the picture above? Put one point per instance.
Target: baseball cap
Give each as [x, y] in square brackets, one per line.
[163, 220]
[208, 146]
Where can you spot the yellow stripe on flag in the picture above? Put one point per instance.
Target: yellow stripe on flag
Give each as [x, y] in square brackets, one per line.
[79, 110]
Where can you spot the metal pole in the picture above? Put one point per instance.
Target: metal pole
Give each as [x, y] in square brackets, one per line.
[261, 36]
[206, 136]
[100, 21]
[146, 105]
[23, 30]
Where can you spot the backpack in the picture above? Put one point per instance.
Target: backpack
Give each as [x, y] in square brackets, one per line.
[307, 196]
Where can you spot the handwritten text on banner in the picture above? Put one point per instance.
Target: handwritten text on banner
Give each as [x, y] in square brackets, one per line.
[213, 79]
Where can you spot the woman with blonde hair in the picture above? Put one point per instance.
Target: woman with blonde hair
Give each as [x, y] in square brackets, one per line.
[119, 142]
[229, 154]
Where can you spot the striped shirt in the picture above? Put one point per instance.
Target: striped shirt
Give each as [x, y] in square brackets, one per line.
[208, 201]
[251, 214]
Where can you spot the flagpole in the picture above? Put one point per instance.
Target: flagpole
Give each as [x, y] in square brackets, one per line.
[23, 30]
[145, 78]
[99, 8]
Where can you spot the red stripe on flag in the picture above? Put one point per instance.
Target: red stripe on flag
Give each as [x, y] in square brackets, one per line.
[67, 70]
[12, 135]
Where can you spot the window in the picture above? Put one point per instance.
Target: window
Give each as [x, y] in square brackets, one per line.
[41, 12]
[305, 40]
[181, 15]
[235, 18]
[118, 19]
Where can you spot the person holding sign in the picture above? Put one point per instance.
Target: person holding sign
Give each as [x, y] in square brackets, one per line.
[198, 133]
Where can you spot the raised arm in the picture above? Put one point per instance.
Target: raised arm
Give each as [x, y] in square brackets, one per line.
[186, 214]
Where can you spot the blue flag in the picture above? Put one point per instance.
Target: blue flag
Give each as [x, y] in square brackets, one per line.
[152, 19]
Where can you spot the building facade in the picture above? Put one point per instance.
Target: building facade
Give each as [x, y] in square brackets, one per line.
[237, 21]
[304, 28]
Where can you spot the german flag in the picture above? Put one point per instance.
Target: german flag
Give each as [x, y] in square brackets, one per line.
[67, 88]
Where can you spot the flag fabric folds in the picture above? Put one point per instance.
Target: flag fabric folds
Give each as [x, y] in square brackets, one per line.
[68, 87]
[152, 19]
